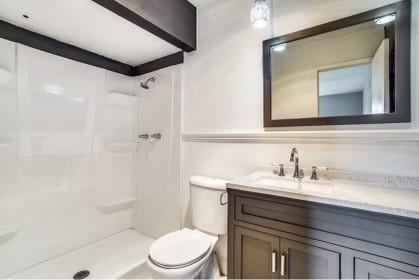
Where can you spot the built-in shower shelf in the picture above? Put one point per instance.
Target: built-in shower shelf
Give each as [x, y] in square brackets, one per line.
[116, 204]
[5, 142]
[120, 147]
[120, 92]
[5, 75]
[8, 232]
[121, 98]
[4, 145]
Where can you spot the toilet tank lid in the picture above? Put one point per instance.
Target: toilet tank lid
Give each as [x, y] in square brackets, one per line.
[208, 182]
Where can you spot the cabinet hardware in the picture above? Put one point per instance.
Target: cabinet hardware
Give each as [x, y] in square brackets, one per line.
[273, 262]
[282, 265]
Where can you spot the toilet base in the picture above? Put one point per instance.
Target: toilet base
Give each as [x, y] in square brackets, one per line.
[211, 270]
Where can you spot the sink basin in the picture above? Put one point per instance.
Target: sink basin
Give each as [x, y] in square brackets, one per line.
[316, 187]
[304, 185]
[278, 183]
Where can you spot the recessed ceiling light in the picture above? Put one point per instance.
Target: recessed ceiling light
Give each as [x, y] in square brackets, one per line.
[280, 48]
[385, 19]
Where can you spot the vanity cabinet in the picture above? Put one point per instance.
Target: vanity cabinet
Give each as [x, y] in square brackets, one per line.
[272, 237]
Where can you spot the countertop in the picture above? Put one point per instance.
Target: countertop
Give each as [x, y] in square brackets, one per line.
[398, 201]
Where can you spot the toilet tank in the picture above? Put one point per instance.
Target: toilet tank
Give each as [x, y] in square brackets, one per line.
[207, 212]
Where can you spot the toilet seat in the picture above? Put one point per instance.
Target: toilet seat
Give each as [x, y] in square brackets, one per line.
[179, 249]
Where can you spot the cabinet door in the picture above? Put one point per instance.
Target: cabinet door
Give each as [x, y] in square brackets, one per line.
[303, 261]
[369, 270]
[255, 254]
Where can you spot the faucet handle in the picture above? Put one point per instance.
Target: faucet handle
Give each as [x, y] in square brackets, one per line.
[275, 166]
[314, 175]
[281, 171]
[278, 169]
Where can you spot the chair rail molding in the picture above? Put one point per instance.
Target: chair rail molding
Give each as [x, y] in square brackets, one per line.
[329, 136]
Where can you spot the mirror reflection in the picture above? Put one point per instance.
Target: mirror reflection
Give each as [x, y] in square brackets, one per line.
[346, 72]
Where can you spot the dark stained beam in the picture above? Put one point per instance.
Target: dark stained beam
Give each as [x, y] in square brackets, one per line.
[170, 60]
[171, 20]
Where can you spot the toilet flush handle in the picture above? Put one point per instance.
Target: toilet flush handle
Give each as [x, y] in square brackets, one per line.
[222, 202]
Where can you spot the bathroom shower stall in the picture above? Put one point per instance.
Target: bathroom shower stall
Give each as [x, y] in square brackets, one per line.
[81, 194]
[75, 179]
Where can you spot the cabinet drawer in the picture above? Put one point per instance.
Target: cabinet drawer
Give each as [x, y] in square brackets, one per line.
[307, 218]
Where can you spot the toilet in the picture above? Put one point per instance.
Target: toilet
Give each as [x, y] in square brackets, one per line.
[188, 253]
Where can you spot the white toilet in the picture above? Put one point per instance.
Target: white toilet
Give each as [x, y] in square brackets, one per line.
[186, 253]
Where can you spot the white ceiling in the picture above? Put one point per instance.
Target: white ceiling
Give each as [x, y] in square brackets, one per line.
[87, 25]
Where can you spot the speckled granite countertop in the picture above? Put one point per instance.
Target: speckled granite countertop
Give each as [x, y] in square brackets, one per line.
[365, 196]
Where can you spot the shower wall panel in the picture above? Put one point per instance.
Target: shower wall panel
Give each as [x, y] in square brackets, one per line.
[67, 133]
[158, 208]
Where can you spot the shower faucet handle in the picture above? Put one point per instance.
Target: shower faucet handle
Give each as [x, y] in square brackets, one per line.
[156, 136]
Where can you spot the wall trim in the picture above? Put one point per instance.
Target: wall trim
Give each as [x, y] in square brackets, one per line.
[349, 136]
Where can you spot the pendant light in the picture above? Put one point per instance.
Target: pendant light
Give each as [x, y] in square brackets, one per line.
[259, 15]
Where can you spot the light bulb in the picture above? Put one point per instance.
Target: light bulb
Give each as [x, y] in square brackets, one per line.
[280, 48]
[385, 19]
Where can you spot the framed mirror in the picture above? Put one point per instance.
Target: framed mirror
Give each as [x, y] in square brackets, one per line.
[354, 70]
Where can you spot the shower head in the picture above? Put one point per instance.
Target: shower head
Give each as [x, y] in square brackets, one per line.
[145, 84]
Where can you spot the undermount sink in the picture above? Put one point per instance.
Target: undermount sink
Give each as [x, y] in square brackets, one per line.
[279, 183]
[293, 184]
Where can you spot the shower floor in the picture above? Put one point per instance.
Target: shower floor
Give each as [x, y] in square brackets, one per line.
[122, 256]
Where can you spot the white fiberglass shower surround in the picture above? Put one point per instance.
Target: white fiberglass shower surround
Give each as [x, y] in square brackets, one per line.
[72, 171]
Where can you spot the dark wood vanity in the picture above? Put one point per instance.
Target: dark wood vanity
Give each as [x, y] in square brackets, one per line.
[277, 237]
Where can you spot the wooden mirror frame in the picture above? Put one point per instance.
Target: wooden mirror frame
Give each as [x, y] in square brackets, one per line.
[402, 62]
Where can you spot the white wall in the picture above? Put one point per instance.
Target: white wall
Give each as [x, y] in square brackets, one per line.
[57, 126]
[223, 93]
[157, 211]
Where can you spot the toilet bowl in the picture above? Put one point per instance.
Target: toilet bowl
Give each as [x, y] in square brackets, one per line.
[187, 253]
